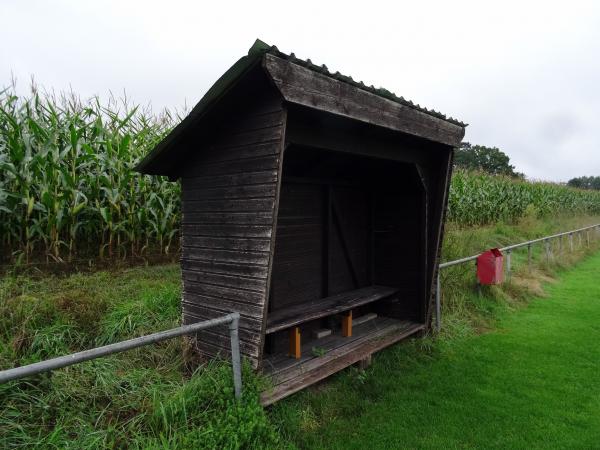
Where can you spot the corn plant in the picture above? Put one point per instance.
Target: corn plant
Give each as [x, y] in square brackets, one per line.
[480, 199]
[67, 183]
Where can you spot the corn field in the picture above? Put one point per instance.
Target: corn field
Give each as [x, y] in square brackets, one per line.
[67, 187]
[66, 180]
[480, 199]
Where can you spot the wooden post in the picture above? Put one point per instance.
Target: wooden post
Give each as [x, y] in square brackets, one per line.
[295, 343]
[560, 245]
[571, 241]
[326, 257]
[529, 256]
[347, 324]
[364, 363]
[587, 236]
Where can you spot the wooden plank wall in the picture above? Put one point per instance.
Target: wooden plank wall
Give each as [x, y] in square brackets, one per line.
[229, 200]
[397, 247]
[439, 207]
[303, 230]
[349, 239]
[298, 263]
[327, 132]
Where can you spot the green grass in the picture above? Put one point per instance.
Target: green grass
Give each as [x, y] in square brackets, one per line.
[531, 383]
[152, 398]
[145, 398]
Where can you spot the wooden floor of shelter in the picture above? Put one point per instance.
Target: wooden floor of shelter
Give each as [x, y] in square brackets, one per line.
[289, 375]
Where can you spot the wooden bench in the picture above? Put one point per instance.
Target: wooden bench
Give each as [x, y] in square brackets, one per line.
[291, 317]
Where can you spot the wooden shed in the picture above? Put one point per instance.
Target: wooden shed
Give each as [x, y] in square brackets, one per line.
[314, 206]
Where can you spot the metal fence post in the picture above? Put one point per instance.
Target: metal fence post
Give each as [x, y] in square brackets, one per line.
[529, 256]
[438, 303]
[236, 362]
[547, 246]
[508, 265]
[580, 239]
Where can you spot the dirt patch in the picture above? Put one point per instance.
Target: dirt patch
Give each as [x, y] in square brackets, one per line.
[533, 284]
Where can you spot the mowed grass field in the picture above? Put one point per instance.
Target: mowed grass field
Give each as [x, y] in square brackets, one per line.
[533, 382]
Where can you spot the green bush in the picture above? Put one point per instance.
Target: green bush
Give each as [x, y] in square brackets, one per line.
[203, 414]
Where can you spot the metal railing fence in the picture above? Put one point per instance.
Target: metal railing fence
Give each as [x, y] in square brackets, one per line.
[508, 253]
[232, 319]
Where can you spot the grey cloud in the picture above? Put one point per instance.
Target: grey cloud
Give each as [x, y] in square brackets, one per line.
[526, 82]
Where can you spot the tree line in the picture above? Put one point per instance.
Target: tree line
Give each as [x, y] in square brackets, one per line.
[493, 161]
[485, 159]
[585, 183]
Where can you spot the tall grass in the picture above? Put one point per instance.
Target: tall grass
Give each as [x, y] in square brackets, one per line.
[67, 183]
[147, 398]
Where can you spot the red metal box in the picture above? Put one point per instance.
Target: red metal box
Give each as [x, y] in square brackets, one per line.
[489, 267]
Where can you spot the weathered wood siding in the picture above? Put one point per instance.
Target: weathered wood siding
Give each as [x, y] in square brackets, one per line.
[306, 87]
[349, 239]
[229, 195]
[398, 248]
[298, 258]
[438, 205]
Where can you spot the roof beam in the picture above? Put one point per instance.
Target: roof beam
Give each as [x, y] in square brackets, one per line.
[306, 87]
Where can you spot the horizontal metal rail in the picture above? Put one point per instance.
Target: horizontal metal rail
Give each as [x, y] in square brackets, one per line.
[232, 319]
[521, 244]
[508, 249]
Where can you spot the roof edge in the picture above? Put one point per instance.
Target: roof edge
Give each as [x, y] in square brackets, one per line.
[212, 96]
[155, 164]
[381, 92]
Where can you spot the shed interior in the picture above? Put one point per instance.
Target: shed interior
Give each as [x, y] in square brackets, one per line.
[350, 238]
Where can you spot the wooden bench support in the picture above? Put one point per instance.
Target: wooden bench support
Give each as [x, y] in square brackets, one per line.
[365, 362]
[295, 343]
[347, 324]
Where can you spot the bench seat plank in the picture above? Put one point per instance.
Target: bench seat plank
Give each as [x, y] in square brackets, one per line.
[305, 312]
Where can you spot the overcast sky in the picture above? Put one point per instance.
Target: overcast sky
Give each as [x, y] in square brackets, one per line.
[524, 75]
